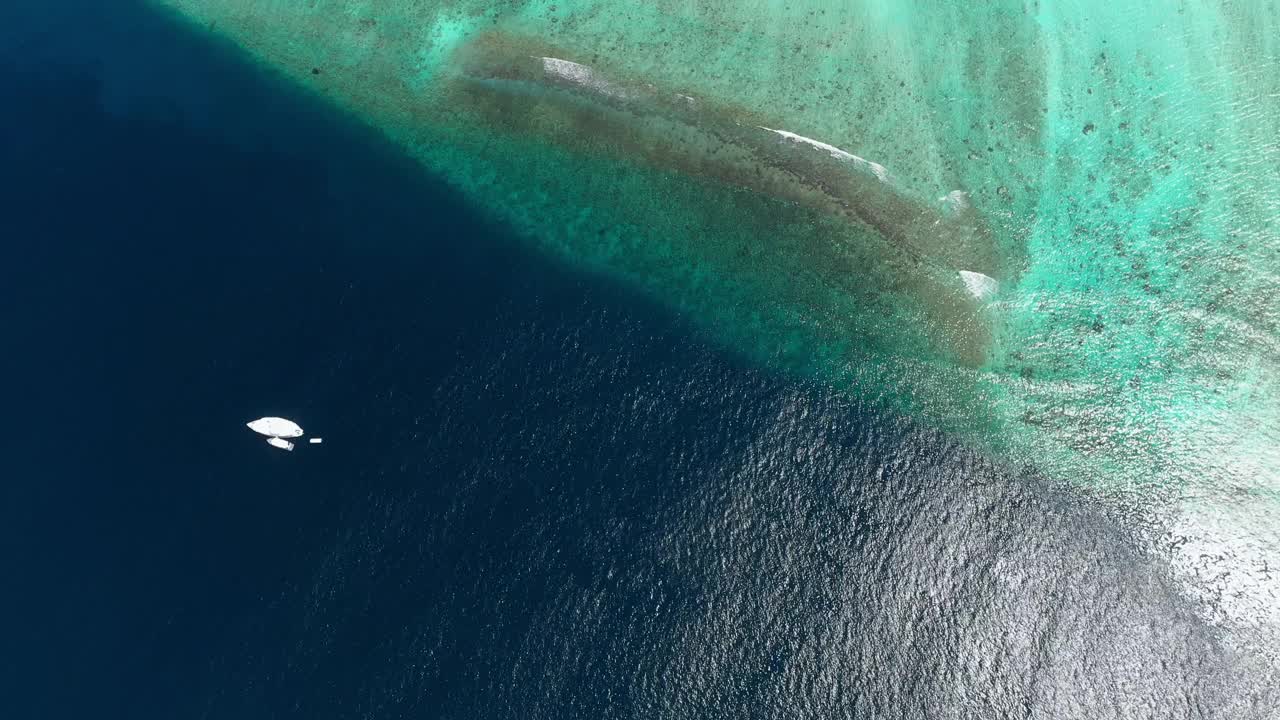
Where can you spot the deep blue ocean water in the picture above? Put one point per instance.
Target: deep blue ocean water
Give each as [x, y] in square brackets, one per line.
[540, 496]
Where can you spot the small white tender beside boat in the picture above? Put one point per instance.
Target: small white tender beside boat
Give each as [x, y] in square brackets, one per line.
[280, 443]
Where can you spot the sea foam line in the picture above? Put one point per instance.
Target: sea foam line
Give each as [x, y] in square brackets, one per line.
[877, 169]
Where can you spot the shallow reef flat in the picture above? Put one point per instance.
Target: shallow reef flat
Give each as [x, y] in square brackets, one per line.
[1051, 229]
[923, 250]
[791, 247]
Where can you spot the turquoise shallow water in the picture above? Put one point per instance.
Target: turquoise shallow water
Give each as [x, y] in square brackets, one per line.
[1113, 166]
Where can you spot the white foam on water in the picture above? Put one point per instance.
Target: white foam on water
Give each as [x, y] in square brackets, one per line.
[578, 74]
[956, 200]
[876, 169]
[980, 286]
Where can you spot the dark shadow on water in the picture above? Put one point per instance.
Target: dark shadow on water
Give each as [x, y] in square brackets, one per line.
[539, 496]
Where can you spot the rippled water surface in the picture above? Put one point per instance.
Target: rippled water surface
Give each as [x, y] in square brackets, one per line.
[689, 360]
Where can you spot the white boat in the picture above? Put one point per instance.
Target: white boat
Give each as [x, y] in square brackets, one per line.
[276, 427]
[280, 443]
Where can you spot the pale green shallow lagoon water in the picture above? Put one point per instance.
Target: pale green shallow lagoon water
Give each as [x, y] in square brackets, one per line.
[1121, 161]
